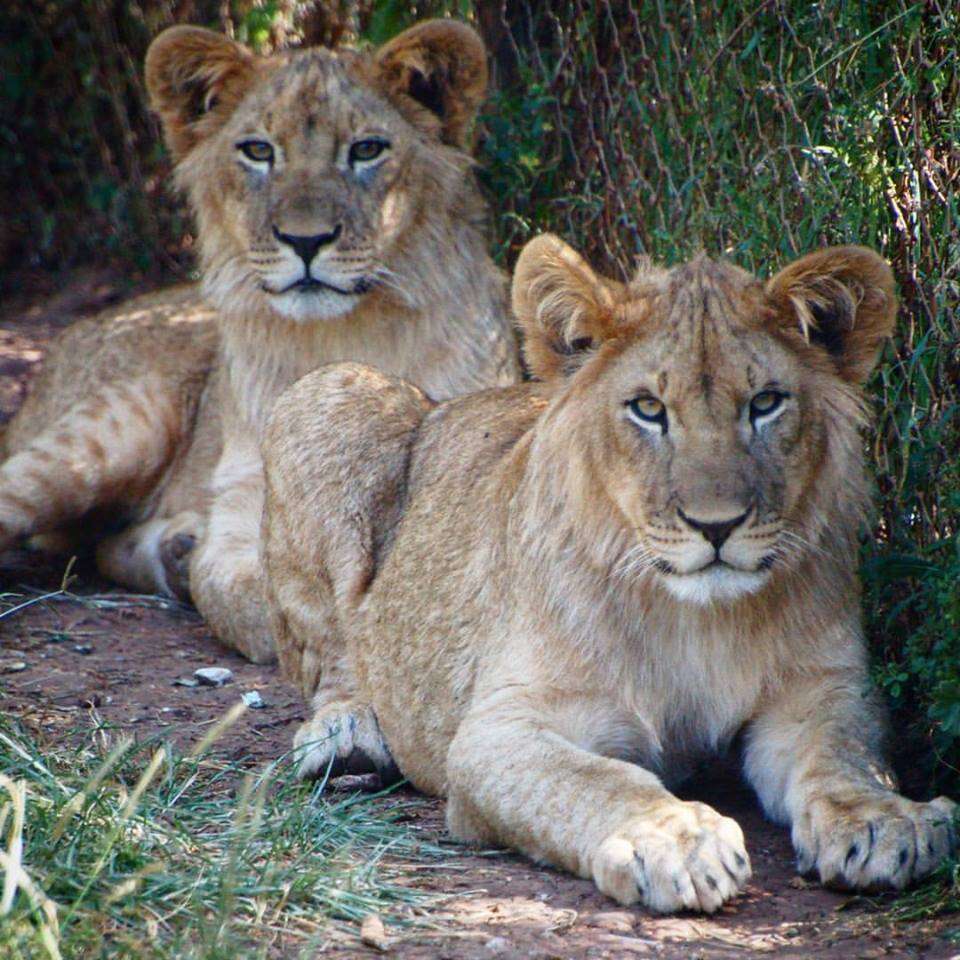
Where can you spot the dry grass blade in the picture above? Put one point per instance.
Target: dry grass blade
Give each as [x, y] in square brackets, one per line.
[186, 856]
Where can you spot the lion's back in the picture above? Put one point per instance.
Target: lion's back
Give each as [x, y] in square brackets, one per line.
[169, 334]
[438, 584]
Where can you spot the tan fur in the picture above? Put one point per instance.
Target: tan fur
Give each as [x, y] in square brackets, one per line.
[403, 281]
[120, 430]
[521, 580]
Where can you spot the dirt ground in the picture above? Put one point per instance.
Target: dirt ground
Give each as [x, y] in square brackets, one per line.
[116, 664]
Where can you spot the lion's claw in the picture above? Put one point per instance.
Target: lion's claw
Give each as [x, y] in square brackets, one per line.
[686, 857]
[884, 841]
[343, 738]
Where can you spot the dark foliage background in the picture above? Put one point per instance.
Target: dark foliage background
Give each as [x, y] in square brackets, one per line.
[755, 130]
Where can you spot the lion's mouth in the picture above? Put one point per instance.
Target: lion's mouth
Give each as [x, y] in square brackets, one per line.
[716, 564]
[309, 284]
[715, 582]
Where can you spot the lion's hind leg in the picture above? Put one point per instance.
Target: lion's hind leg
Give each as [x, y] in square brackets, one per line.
[336, 453]
[153, 556]
[107, 451]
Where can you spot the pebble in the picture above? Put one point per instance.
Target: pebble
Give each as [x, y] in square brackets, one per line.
[253, 700]
[186, 682]
[497, 945]
[83, 648]
[12, 666]
[213, 676]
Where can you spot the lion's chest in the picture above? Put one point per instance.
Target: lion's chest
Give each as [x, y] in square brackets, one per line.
[682, 699]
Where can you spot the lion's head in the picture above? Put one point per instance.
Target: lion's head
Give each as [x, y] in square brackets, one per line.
[714, 417]
[309, 171]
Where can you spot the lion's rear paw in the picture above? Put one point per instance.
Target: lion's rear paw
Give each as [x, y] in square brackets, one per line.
[175, 556]
[884, 840]
[686, 857]
[177, 542]
[343, 738]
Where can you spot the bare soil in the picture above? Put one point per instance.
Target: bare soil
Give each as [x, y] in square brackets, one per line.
[100, 665]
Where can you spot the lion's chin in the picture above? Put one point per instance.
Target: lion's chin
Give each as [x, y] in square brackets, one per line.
[313, 305]
[717, 584]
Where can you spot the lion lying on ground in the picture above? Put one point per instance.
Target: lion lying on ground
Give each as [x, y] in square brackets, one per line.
[558, 597]
[338, 220]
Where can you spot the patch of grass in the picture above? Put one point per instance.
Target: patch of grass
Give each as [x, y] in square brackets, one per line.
[941, 894]
[122, 849]
[937, 896]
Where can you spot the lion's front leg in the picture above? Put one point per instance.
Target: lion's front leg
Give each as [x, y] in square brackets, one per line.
[514, 780]
[227, 580]
[814, 756]
[336, 455]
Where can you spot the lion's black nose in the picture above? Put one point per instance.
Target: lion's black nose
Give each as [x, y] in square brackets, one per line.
[306, 247]
[716, 532]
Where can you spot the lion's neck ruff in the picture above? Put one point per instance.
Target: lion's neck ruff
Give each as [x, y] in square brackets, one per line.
[438, 286]
[403, 279]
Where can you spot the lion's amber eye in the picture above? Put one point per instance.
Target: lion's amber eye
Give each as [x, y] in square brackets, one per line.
[765, 403]
[257, 150]
[363, 151]
[649, 410]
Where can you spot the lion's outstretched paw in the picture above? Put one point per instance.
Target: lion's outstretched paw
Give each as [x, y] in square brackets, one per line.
[343, 738]
[880, 840]
[685, 856]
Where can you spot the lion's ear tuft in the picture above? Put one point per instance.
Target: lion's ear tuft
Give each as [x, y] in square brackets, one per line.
[564, 308]
[841, 299]
[195, 79]
[436, 72]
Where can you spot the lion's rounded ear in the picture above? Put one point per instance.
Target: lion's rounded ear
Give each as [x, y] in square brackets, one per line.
[195, 79]
[436, 73]
[564, 308]
[843, 300]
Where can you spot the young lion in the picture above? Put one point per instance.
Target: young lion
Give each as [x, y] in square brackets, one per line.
[338, 220]
[559, 596]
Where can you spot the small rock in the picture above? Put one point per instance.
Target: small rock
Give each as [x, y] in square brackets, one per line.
[373, 934]
[497, 945]
[12, 666]
[253, 700]
[83, 648]
[213, 676]
[186, 682]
